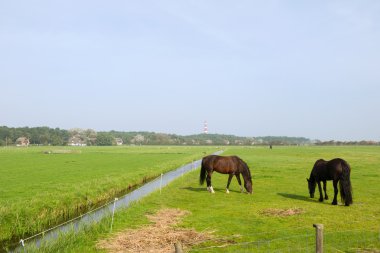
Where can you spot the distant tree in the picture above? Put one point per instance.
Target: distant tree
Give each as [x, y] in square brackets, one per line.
[138, 139]
[56, 140]
[90, 135]
[44, 139]
[104, 139]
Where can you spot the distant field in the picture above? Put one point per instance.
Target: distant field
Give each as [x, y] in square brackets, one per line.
[43, 186]
[248, 223]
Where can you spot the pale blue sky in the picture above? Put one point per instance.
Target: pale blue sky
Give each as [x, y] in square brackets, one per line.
[250, 68]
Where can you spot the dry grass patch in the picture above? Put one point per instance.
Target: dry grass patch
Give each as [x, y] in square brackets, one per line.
[282, 212]
[157, 237]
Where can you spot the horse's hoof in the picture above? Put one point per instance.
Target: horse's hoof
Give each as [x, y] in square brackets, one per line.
[320, 200]
[227, 191]
[334, 203]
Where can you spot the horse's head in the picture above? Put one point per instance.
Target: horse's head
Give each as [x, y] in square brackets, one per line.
[244, 169]
[248, 185]
[311, 184]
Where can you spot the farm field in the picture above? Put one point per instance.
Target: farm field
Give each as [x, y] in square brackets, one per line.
[43, 186]
[278, 217]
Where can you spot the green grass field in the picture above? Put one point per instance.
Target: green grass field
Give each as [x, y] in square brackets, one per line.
[43, 186]
[240, 222]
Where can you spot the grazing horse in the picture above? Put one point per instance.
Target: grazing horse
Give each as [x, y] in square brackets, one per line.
[337, 170]
[231, 165]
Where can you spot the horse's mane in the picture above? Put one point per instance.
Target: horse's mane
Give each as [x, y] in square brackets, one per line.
[246, 168]
[317, 165]
[319, 162]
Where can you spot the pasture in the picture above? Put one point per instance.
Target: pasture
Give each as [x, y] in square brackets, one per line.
[277, 217]
[43, 186]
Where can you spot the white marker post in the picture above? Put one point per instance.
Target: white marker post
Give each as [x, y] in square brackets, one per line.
[161, 183]
[113, 212]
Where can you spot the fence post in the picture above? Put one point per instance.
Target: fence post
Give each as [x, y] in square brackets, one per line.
[318, 238]
[178, 247]
[161, 182]
[113, 212]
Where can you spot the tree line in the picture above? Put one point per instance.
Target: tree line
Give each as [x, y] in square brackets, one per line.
[89, 137]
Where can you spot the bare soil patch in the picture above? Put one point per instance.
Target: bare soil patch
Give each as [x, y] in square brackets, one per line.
[157, 237]
[282, 212]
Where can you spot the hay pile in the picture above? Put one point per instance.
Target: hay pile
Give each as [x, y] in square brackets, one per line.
[282, 212]
[158, 237]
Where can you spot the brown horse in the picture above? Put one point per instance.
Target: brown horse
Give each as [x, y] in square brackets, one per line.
[231, 165]
[337, 170]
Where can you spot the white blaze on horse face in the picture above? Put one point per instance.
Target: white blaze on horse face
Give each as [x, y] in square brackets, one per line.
[227, 191]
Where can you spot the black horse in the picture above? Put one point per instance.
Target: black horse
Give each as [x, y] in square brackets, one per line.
[231, 165]
[337, 170]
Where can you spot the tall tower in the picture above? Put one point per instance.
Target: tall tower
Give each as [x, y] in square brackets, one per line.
[205, 127]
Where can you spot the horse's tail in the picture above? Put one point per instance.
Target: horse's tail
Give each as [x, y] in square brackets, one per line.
[345, 184]
[202, 175]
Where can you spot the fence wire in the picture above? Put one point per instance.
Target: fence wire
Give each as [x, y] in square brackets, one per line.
[303, 241]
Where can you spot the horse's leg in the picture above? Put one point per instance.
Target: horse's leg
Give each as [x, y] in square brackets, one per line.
[239, 181]
[208, 180]
[229, 181]
[324, 189]
[335, 183]
[320, 191]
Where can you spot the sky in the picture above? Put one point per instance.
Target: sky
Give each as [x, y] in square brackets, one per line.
[250, 68]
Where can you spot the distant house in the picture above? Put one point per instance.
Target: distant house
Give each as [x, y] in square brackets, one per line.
[22, 142]
[76, 141]
[119, 141]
